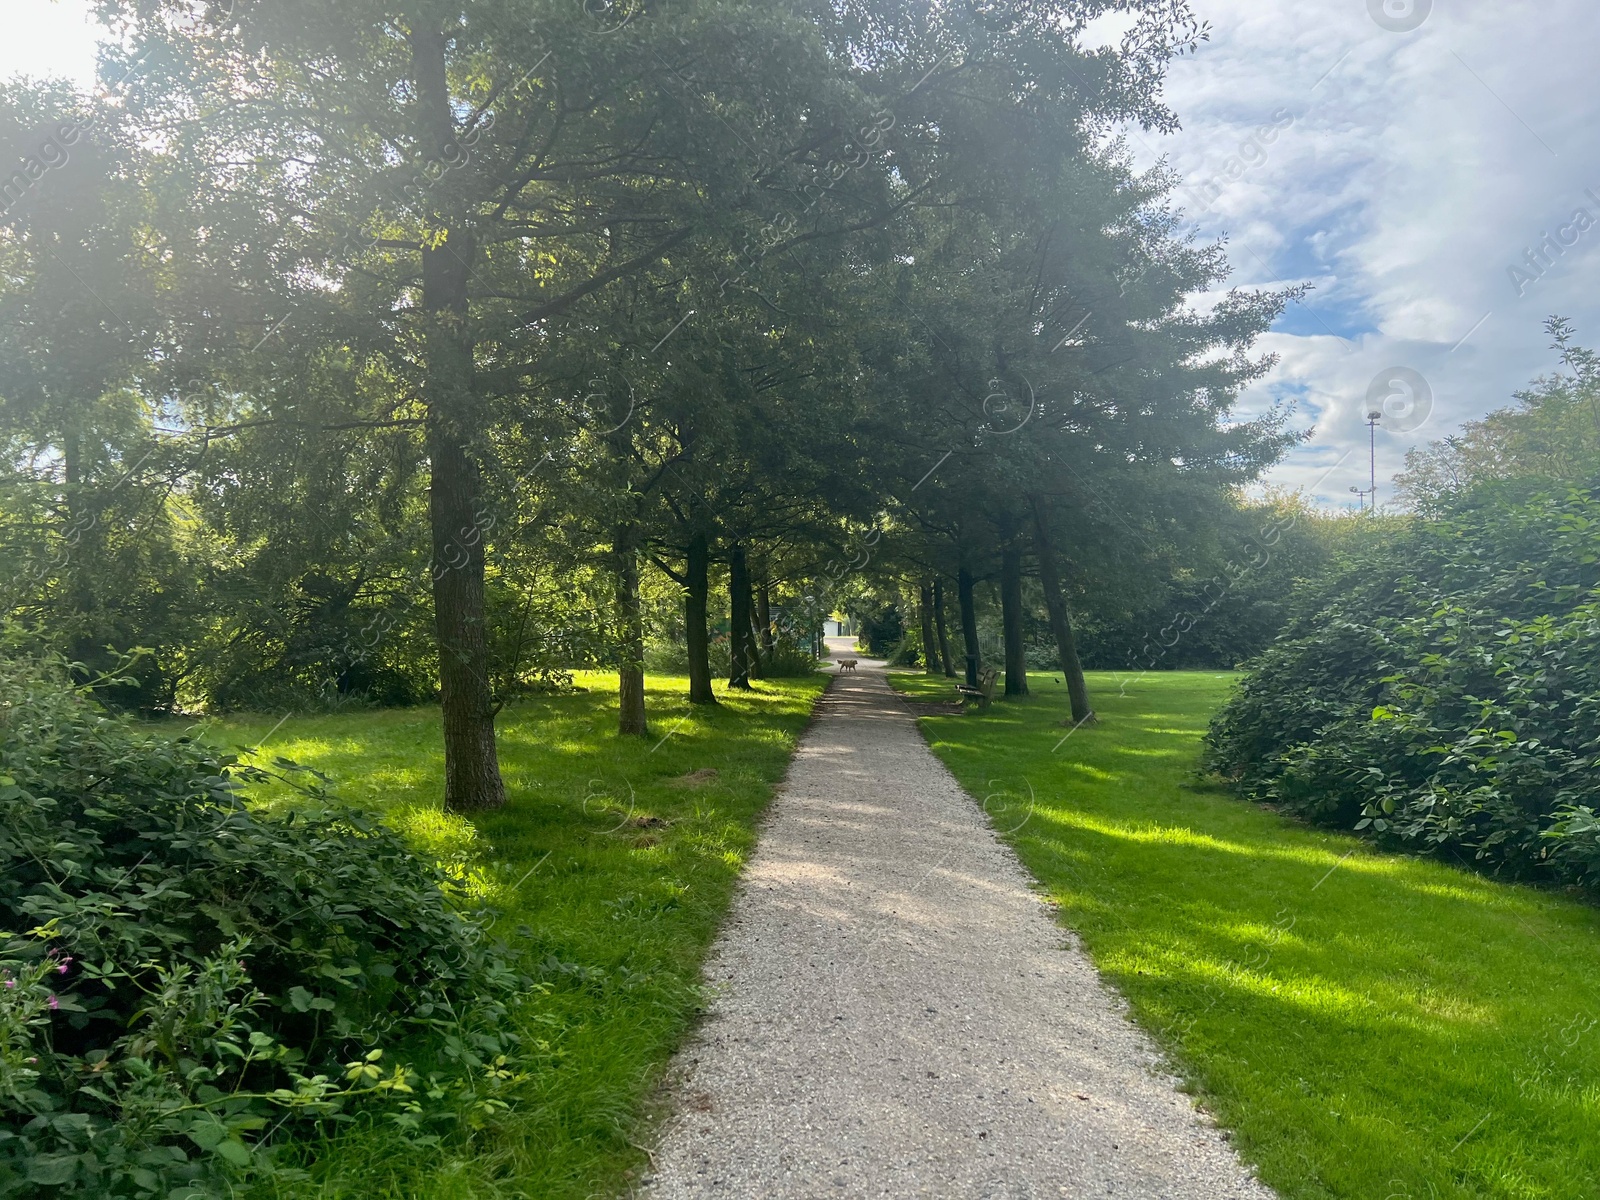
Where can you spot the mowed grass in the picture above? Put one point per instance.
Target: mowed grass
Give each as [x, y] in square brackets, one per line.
[610, 876]
[1368, 1026]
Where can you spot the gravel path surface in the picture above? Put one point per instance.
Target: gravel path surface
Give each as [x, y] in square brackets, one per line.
[895, 1013]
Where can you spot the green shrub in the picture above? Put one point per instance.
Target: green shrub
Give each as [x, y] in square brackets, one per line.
[1442, 693]
[881, 630]
[665, 657]
[186, 979]
[906, 651]
[788, 659]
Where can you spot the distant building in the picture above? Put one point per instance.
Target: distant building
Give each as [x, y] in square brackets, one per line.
[832, 628]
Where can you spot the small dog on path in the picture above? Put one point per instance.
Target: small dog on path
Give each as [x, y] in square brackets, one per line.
[847, 664]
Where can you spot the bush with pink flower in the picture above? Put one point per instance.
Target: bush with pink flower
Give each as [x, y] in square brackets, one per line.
[186, 981]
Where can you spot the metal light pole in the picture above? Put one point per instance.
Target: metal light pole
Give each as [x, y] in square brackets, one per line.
[1373, 417]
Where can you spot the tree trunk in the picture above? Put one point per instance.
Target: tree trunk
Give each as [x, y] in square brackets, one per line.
[1011, 613]
[939, 625]
[471, 768]
[969, 625]
[764, 621]
[84, 553]
[1060, 617]
[695, 605]
[460, 610]
[631, 717]
[930, 648]
[740, 642]
[758, 633]
[630, 633]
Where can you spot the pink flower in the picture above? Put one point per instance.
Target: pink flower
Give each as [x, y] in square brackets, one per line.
[54, 1003]
[65, 962]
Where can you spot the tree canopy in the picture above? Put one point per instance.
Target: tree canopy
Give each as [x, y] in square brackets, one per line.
[392, 351]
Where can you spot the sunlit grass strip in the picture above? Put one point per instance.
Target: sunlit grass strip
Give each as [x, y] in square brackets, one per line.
[1369, 1026]
[608, 873]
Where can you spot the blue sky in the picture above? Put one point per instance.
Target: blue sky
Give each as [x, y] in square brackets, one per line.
[1400, 163]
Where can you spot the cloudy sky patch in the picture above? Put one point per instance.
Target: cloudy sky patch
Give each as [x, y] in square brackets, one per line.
[1402, 172]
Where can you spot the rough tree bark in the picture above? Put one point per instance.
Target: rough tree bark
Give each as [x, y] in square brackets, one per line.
[764, 624]
[471, 768]
[969, 625]
[939, 625]
[695, 611]
[630, 633]
[1060, 616]
[460, 609]
[740, 641]
[758, 663]
[631, 717]
[1011, 611]
[930, 648]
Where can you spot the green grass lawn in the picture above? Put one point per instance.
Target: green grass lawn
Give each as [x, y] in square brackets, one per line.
[1368, 1026]
[611, 876]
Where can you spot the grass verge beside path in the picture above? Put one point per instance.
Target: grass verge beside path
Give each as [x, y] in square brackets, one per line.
[1369, 1026]
[609, 872]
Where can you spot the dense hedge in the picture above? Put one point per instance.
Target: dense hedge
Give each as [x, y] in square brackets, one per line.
[185, 977]
[1441, 691]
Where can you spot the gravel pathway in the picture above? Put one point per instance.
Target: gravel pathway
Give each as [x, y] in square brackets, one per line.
[895, 1013]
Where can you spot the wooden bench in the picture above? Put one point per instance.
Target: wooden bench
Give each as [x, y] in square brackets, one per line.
[984, 692]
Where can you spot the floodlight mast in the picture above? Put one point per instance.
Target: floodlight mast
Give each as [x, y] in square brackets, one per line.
[1374, 415]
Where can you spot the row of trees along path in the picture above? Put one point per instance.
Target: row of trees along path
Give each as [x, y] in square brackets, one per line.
[348, 343]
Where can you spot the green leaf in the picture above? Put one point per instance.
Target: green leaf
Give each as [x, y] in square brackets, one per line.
[235, 1152]
[208, 1134]
[52, 1170]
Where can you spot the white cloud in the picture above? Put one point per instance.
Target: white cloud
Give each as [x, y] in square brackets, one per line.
[49, 38]
[1416, 168]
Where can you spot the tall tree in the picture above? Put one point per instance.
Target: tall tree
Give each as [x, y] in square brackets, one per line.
[1549, 437]
[1060, 618]
[1016, 656]
[946, 661]
[969, 624]
[445, 184]
[930, 647]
